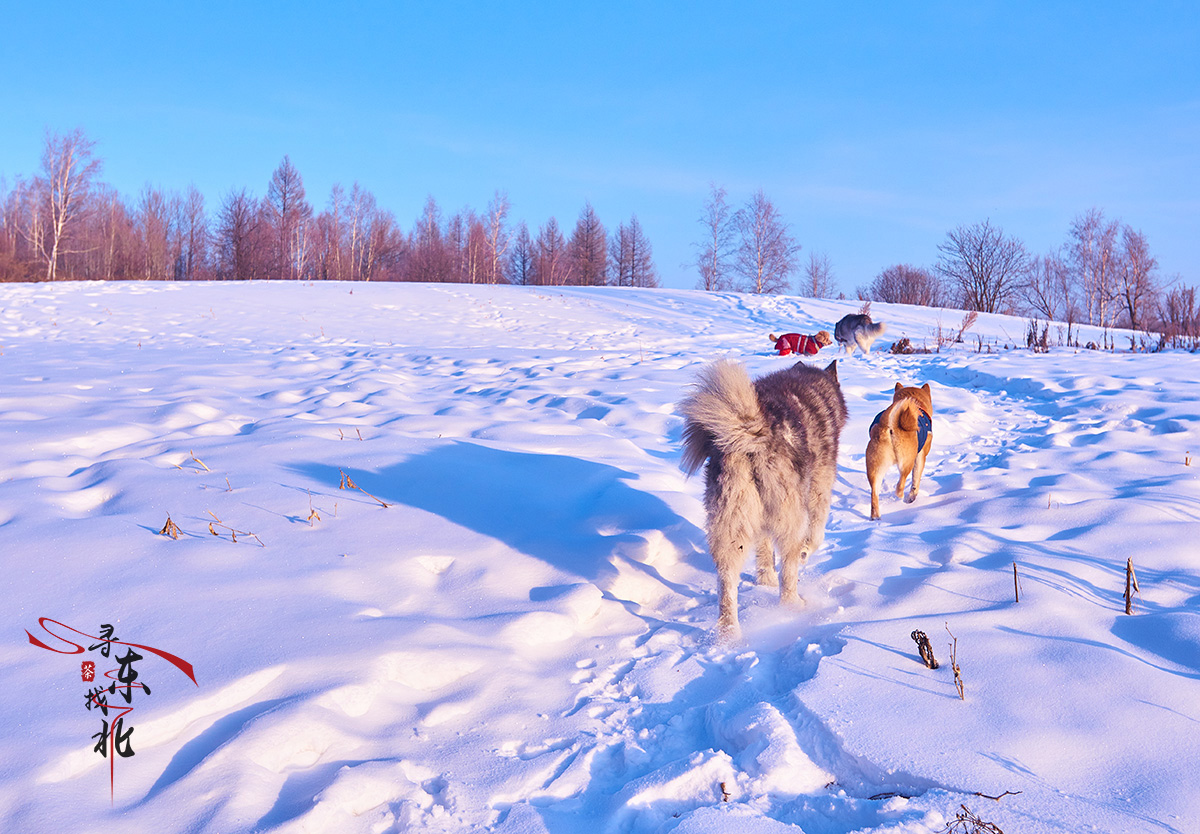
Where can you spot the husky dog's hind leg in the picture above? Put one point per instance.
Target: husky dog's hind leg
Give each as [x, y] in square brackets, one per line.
[765, 574]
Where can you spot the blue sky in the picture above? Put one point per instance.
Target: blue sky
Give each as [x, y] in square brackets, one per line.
[875, 127]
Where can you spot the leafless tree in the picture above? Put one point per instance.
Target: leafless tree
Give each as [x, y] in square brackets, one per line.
[1136, 287]
[1179, 317]
[14, 262]
[520, 259]
[19, 257]
[1091, 253]
[153, 219]
[240, 237]
[818, 280]
[429, 261]
[716, 246]
[632, 256]
[984, 265]
[330, 258]
[384, 247]
[112, 257]
[191, 226]
[766, 251]
[68, 171]
[1046, 290]
[551, 267]
[587, 250]
[906, 284]
[289, 215]
[496, 250]
[466, 239]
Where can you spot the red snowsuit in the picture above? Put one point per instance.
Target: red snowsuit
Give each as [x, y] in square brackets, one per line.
[796, 343]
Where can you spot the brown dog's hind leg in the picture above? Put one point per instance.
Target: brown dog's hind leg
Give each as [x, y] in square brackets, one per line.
[904, 473]
[918, 471]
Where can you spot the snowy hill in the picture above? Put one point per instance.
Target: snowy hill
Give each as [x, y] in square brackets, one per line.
[521, 640]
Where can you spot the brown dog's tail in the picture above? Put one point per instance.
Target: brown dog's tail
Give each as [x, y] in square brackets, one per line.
[907, 415]
[723, 414]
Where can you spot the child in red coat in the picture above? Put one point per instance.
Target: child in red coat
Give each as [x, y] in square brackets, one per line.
[799, 344]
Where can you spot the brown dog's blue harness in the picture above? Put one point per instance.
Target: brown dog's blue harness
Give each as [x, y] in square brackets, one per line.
[924, 425]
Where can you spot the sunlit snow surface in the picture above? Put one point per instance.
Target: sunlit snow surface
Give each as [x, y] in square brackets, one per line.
[522, 641]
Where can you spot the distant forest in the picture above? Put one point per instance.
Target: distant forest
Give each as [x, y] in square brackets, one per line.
[64, 223]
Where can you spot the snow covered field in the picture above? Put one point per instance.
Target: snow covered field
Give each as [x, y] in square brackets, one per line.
[521, 641]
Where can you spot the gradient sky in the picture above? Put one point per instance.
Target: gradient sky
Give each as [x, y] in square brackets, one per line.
[874, 127]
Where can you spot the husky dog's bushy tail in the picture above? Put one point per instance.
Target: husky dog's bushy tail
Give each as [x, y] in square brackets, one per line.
[771, 447]
[873, 330]
[857, 329]
[723, 414]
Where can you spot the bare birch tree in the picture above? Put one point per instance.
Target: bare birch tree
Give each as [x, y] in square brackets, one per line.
[716, 245]
[817, 280]
[497, 238]
[766, 252]
[1136, 288]
[1091, 251]
[68, 171]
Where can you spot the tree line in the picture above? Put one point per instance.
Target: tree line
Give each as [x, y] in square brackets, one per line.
[1103, 274]
[66, 224]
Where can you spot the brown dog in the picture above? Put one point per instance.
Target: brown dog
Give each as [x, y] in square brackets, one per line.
[901, 434]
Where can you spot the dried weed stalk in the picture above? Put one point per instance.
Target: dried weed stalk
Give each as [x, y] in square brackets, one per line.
[925, 649]
[347, 483]
[965, 822]
[1131, 586]
[967, 323]
[313, 515]
[233, 533]
[1001, 796]
[958, 681]
[196, 461]
[170, 529]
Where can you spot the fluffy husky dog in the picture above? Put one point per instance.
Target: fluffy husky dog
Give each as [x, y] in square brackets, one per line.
[901, 434]
[771, 447]
[857, 329]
